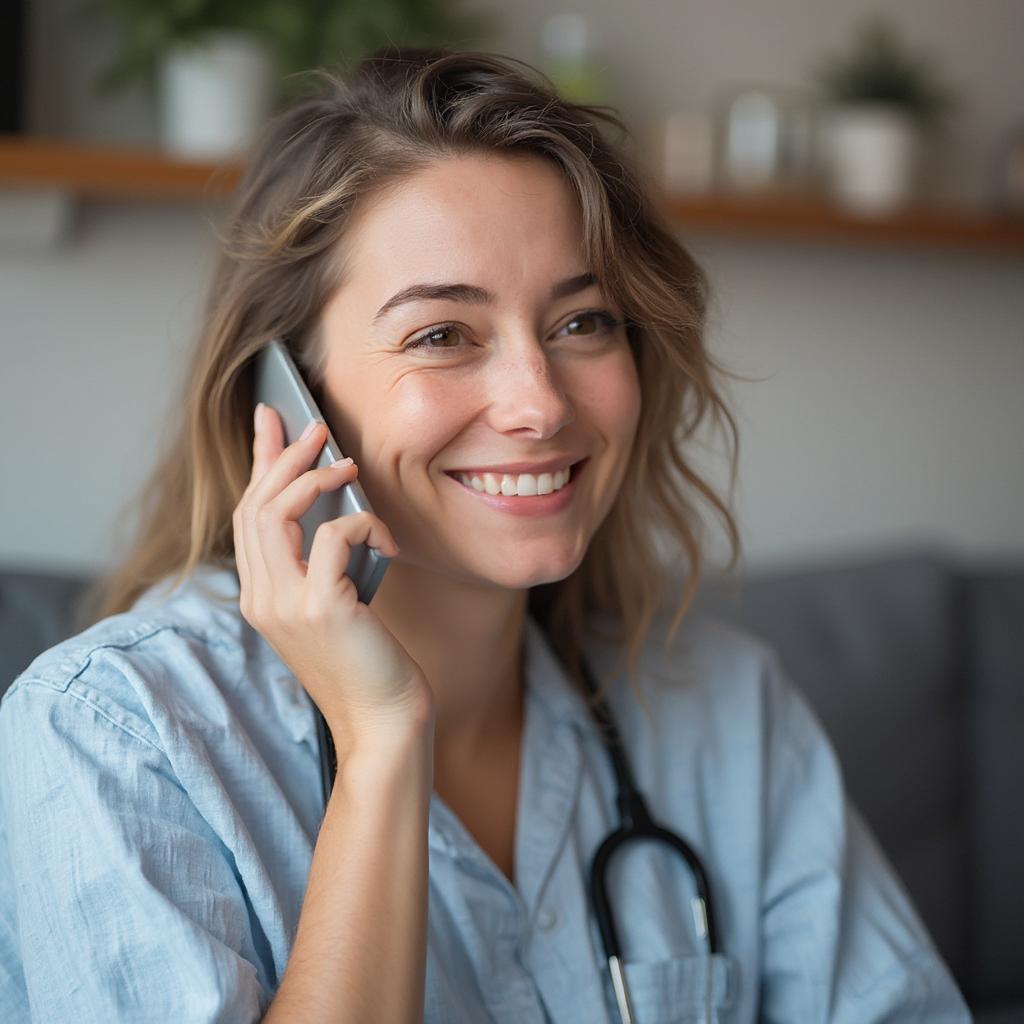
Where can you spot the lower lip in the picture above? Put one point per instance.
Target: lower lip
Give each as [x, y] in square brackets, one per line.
[530, 505]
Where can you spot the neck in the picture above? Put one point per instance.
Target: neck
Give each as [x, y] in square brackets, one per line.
[468, 640]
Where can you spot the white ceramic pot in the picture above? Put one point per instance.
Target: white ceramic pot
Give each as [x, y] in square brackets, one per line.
[214, 95]
[871, 155]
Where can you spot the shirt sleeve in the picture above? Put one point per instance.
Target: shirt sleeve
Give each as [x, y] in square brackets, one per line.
[841, 940]
[126, 907]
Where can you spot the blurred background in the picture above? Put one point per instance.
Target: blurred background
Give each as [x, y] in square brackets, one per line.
[888, 354]
[851, 175]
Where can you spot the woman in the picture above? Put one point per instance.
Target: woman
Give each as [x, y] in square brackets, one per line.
[482, 299]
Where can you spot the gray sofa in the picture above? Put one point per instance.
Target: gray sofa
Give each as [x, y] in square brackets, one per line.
[912, 661]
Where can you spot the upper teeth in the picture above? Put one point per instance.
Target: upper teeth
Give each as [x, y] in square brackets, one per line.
[516, 483]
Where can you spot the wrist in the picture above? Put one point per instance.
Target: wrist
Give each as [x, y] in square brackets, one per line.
[388, 743]
[382, 729]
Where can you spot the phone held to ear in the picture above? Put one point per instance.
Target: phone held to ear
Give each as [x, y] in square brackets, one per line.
[278, 383]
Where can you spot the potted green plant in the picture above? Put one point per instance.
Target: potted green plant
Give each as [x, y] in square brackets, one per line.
[882, 102]
[220, 66]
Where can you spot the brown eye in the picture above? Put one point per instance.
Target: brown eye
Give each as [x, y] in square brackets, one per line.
[594, 321]
[428, 338]
[579, 324]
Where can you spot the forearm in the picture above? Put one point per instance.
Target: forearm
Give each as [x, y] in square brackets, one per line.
[360, 949]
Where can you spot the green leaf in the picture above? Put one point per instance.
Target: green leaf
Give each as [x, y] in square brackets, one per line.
[879, 68]
[302, 33]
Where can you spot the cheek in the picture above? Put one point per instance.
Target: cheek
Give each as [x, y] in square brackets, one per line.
[418, 414]
[610, 392]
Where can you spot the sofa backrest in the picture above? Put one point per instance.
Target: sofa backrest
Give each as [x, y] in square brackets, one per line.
[37, 610]
[995, 663]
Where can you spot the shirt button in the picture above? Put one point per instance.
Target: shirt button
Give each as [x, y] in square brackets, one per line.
[547, 919]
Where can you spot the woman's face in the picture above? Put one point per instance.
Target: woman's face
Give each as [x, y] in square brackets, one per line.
[521, 377]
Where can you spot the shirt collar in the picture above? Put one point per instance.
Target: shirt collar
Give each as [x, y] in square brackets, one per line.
[550, 772]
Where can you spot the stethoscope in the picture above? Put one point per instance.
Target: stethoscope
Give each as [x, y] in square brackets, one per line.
[635, 823]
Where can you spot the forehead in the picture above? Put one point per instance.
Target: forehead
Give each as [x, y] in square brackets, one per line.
[508, 215]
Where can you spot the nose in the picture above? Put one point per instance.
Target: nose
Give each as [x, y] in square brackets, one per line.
[527, 394]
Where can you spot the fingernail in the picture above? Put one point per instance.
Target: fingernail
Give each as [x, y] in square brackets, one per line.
[257, 417]
[342, 463]
[310, 427]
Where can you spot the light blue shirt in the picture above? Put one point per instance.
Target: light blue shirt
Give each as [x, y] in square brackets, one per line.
[160, 800]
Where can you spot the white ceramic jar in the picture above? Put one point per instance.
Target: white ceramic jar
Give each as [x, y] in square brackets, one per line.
[871, 154]
[214, 95]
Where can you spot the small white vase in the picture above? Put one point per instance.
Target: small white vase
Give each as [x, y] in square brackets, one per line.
[214, 95]
[871, 155]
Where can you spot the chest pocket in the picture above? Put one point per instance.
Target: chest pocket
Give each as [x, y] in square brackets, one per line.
[680, 990]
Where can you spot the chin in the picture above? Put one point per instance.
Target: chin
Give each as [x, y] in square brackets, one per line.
[522, 576]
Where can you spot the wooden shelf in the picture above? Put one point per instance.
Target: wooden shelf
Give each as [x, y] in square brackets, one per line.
[814, 218]
[107, 172]
[102, 171]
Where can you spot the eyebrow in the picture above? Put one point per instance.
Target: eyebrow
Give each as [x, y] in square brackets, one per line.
[473, 294]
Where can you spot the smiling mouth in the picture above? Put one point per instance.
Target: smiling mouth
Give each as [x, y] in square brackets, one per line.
[506, 484]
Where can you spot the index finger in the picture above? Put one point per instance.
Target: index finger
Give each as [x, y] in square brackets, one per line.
[275, 464]
[267, 440]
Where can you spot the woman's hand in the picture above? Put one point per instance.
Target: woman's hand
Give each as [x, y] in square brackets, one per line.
[362, 679]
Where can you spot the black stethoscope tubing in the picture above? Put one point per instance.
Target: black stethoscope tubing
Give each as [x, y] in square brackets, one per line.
[636, 823]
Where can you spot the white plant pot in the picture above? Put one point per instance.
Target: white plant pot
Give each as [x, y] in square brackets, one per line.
[871, 155]
[214, 95]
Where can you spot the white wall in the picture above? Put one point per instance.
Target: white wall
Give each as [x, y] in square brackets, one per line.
[891, 408]
[889, 411]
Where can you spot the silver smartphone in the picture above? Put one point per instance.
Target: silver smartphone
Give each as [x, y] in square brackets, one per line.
[279, 384]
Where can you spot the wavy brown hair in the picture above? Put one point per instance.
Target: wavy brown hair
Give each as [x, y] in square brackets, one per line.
[280, 262]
